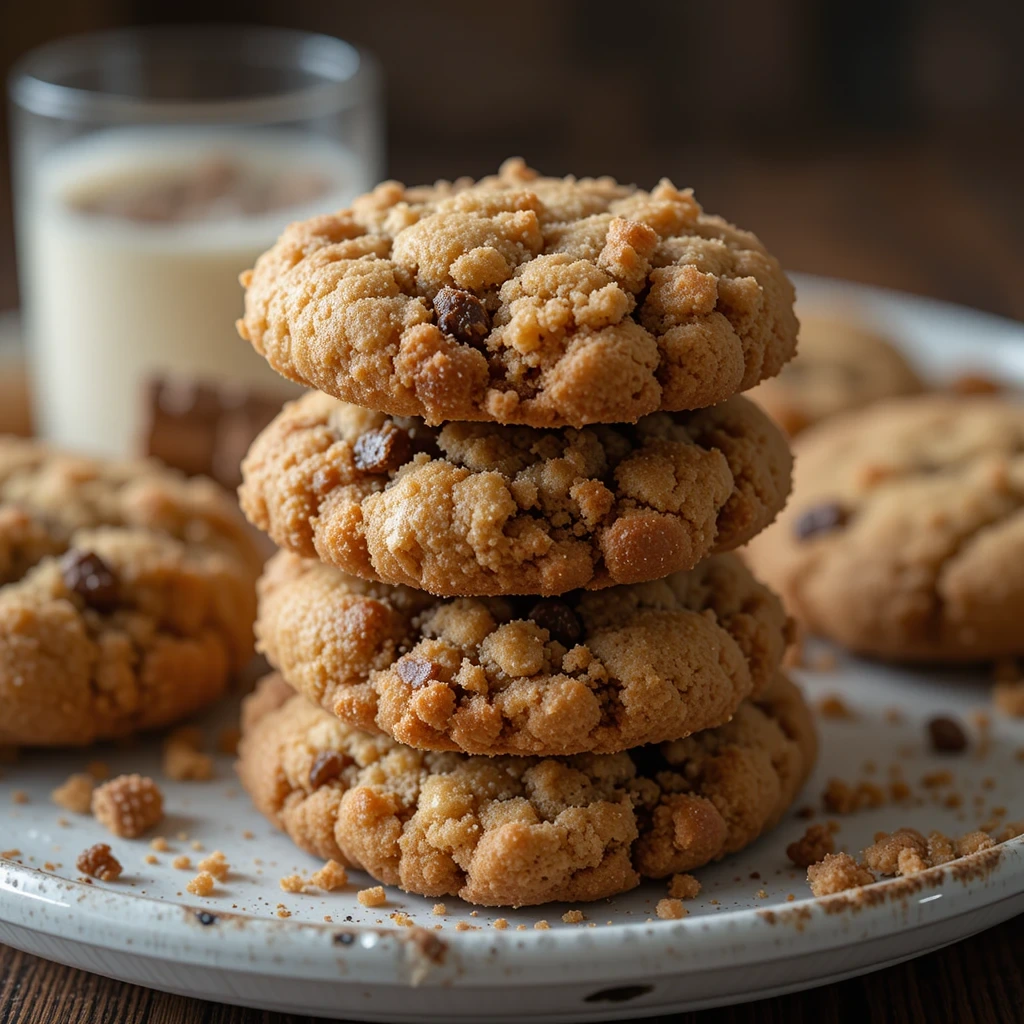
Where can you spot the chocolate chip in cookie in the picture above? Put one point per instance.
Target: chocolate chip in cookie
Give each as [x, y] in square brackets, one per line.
[558, 619]
[382, 450]
[462, 315]
[88, 576]
[822, 518]
[327, 765]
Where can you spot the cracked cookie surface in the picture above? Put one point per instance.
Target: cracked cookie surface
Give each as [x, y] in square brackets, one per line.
[904, 537]
[590, 671]
[477, 509]
[515, 831]
[521, 299]
[126, 595]
[842, 365]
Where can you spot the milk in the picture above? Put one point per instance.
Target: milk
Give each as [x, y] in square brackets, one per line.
[115, 302]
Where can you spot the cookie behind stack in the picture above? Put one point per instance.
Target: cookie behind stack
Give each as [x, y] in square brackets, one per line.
[526, 669]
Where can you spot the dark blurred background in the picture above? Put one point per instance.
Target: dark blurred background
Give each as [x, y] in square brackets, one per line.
[879, 140]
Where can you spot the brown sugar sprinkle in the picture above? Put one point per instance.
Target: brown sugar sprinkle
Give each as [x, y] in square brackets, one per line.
[573, 917]
[99, 862]
[812, 846]
[128, 805]
[372, 897]
[215, 864]
[831, 705]
[19, 796]
[202, 885]
[182, 863]
[670, 910]
[439, 910]
[75, 793]
[500, 923]
[227, 740]
[836, 872]
[331, 877]
[293, 883]
[683, 887]
[946, 735]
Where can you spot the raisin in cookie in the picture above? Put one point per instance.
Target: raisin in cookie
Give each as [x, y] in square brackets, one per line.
[904, 538]
[842, 365]
[126, 595]
[516, 831]
[477, 509]
[591, 671]
[521, 299]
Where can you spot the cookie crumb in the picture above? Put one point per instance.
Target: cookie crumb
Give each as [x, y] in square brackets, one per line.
[151, 858]
[883, 855]
[946, 735]
[283, 911]
[935, 780]
[201, 885]
[128, 805]
[403, 920]
[439, 910]
[248, 834]
[1009, 698]
[761, 894]
[183, 758]
[542, 926]
[833, 706]
[837, 872]
[292, 883]
[19, 796]
[500, 923]
[670, 909]
[216, 865]
[683, 887]
[812, 846]
[159, 844]
[573, 917]
[98, 862]
[182, 863]
[75, 793]
[372, 897]
[9, 854]
[973, 842]
[331, 877]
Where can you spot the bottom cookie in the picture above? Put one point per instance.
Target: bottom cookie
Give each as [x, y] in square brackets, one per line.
[517, 831]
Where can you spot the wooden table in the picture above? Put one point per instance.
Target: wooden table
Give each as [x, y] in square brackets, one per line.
[938, 220]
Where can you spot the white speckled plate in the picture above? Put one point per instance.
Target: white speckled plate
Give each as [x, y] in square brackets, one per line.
[744, 937]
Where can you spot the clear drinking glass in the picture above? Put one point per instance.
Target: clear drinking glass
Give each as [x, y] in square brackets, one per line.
[151, 167]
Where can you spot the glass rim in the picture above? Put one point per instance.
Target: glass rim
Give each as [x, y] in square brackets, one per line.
[348, 75]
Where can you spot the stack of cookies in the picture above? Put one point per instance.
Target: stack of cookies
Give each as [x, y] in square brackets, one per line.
[513, 662]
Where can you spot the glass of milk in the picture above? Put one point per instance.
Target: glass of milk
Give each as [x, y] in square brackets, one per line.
[151, 167]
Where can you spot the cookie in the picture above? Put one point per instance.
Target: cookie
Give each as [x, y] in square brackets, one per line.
[842, 365]
[591, 671]
[126, 595]
[517, 831]
[478, 509]
[904, 538]
[521, 299]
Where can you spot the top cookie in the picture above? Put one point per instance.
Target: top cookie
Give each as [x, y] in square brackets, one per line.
[904, 537]
[521, 299]
[126, 595]
[842, 365]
